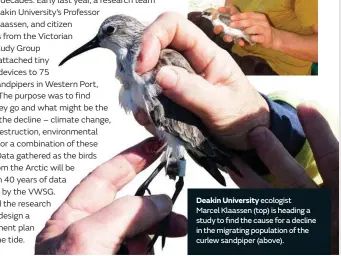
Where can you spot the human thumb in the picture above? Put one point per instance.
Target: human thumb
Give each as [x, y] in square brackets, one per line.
[190, 91]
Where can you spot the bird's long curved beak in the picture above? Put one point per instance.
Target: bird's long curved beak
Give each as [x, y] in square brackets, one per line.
[94, 43]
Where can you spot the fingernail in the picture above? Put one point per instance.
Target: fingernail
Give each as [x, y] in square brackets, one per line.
[306, 104]
[216, 30]
[305, 108]
[163, 204]
[153, 145]
[167, 77]
[226, 38]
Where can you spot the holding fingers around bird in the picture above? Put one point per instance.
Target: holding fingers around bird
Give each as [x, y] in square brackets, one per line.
[93, 221]
[257, 26]
[254, 24]
[217, 77]
[219, 30]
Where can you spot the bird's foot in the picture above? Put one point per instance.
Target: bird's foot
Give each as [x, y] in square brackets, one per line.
[164, 224]
[149, 192]
[144, 187]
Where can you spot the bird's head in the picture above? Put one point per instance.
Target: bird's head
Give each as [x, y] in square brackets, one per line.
[119, 33]
[209, 13]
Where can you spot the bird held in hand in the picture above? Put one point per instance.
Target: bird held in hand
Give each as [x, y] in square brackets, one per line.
[224, 19]
[182, 130]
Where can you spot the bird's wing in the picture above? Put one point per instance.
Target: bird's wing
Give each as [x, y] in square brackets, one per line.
[175, 119]
[225, 18]
[185, 125]
[209, 165]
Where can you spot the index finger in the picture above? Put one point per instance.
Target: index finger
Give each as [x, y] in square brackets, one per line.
[228, 2]
[281, 164]
[99, 188]
[248, 15]
[322, 141]
[171, 29]
[229, 9]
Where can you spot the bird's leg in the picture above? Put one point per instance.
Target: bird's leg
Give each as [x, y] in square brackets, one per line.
[140, 192]
[179, 185]
[148, 190]
[144, 187]
[178, 188]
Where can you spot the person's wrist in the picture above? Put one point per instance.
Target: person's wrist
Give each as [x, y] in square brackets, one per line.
[261, 114]
[253, 114]
[276, 40]
[264, 110]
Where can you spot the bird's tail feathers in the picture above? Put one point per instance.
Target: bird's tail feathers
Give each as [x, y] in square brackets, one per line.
[209, 165]
[248, 39]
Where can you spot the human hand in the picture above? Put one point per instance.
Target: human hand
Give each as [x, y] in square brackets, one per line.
[90, 221]
[257, 26]
[291, 174]
[221, 96]
[231, 9]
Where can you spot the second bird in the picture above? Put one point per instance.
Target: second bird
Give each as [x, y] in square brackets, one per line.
[224, 19]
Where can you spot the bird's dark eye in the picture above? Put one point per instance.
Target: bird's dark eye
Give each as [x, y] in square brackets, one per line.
[110, 30]
[206, 14]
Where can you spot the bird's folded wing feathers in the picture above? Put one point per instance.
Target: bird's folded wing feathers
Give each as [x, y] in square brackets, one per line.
[225, 18]
[177, 120]
[185, 125]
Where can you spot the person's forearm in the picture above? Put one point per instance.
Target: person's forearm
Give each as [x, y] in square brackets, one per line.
[303, 47]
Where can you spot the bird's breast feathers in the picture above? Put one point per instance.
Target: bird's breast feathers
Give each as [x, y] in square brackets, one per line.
[132, 99]
[133, 90]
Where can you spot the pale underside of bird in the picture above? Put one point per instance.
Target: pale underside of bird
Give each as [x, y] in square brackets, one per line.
[182, 130]
[224, 19]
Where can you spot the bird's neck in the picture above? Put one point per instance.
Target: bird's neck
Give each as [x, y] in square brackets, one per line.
[126, 66]
[127, 57]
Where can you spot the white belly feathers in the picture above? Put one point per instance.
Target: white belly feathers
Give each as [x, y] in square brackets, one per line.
[131, 100]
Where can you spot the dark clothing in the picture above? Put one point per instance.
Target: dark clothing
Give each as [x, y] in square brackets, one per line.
[285, 125]
[250, 65]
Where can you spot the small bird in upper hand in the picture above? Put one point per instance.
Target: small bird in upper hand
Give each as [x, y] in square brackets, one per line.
[224, 19]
